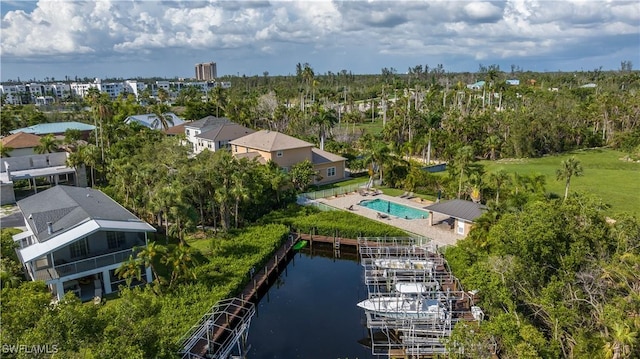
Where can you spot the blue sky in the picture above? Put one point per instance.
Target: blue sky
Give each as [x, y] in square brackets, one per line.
[166, 38]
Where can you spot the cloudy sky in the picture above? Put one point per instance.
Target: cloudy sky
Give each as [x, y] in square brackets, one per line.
[118, 38]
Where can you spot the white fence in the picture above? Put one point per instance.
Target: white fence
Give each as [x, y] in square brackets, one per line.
[333, 191]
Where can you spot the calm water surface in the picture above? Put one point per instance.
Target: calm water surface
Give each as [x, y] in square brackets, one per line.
[311, 312]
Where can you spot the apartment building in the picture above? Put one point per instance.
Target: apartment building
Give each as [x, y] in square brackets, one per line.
[206, 71]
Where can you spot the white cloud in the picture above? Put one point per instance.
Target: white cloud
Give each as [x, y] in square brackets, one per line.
[482, 11]
[484, 30]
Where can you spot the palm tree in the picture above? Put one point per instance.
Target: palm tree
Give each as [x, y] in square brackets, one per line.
[324, 119]
[148, 254]
[379, 155]
[499, 178]
[163, 95]
[180, 260]
[463, 158]
[218, 98]
[492, 143]
[239, 191]
[48, 144]
[129, 269]
[162, 119]
[622, 342]
[570, 167]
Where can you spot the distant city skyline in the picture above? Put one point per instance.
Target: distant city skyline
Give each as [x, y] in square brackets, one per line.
[118, 39]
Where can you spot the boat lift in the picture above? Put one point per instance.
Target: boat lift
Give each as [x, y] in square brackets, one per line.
[390, 263]
[221, 330]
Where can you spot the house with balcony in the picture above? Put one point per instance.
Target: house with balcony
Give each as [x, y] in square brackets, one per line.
[287, 151]
[213, 133]
[75, 240]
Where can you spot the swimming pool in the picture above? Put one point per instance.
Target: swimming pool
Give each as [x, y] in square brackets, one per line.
[394, 209]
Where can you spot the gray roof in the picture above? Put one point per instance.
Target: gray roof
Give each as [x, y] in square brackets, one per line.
[458, 208]
[209, 121]
[66, 207]
[225, 132]
[320, 156]
[270, 141]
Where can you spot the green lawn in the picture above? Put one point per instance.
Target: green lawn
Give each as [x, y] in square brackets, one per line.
[373, 128]
[606, 175]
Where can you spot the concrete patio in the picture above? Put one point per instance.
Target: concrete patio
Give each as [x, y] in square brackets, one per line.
[441, 232]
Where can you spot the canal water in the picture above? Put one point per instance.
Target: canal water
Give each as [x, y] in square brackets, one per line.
[310, 311]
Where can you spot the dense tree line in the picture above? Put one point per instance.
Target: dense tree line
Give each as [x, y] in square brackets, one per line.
[556, 280]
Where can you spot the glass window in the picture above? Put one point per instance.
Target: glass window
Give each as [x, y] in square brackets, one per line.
[79, 248]
[331, 171]
[115, 239]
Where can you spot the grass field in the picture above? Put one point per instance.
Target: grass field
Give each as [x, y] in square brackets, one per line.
[606, 175]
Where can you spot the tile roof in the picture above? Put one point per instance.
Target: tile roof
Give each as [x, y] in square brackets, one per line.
[458, 208]
[56, 127]
[270, 141]
[320, 156]
[66, 207]
[226, 131]
[21, 140]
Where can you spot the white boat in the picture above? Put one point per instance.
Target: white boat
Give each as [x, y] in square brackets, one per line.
[415, 288]
[403, 264]
[405, 307]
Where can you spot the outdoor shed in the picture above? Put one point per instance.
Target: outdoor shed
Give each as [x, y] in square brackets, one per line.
[463, 212]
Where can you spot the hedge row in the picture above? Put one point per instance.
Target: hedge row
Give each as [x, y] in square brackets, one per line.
[344, 224]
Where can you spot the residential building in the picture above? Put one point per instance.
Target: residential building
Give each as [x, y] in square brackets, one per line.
[21, 144]
[219, 137]
[44, 100]
[287, 151]
[206, 71]
[75, 240]
[52, 166]
[57, 128]
[82, 89]
[15, 94]
[476, 86]
[212, 133]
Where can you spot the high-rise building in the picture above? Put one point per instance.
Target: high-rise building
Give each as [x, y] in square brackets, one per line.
[206, 71]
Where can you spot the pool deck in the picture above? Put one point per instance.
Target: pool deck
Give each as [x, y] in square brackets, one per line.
[441, 233]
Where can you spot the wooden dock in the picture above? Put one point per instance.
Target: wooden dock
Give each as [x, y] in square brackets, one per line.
[262, 278]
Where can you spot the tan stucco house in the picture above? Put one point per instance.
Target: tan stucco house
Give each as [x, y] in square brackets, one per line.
[287, 151]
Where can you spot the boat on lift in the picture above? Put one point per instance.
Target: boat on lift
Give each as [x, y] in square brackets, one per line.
[417, 288]
[397, 263]
[405, 307]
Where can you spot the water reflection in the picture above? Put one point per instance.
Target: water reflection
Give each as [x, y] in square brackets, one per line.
[311, 310]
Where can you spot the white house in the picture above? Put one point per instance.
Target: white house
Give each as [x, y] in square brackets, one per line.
[75, 240]
[213, 133]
